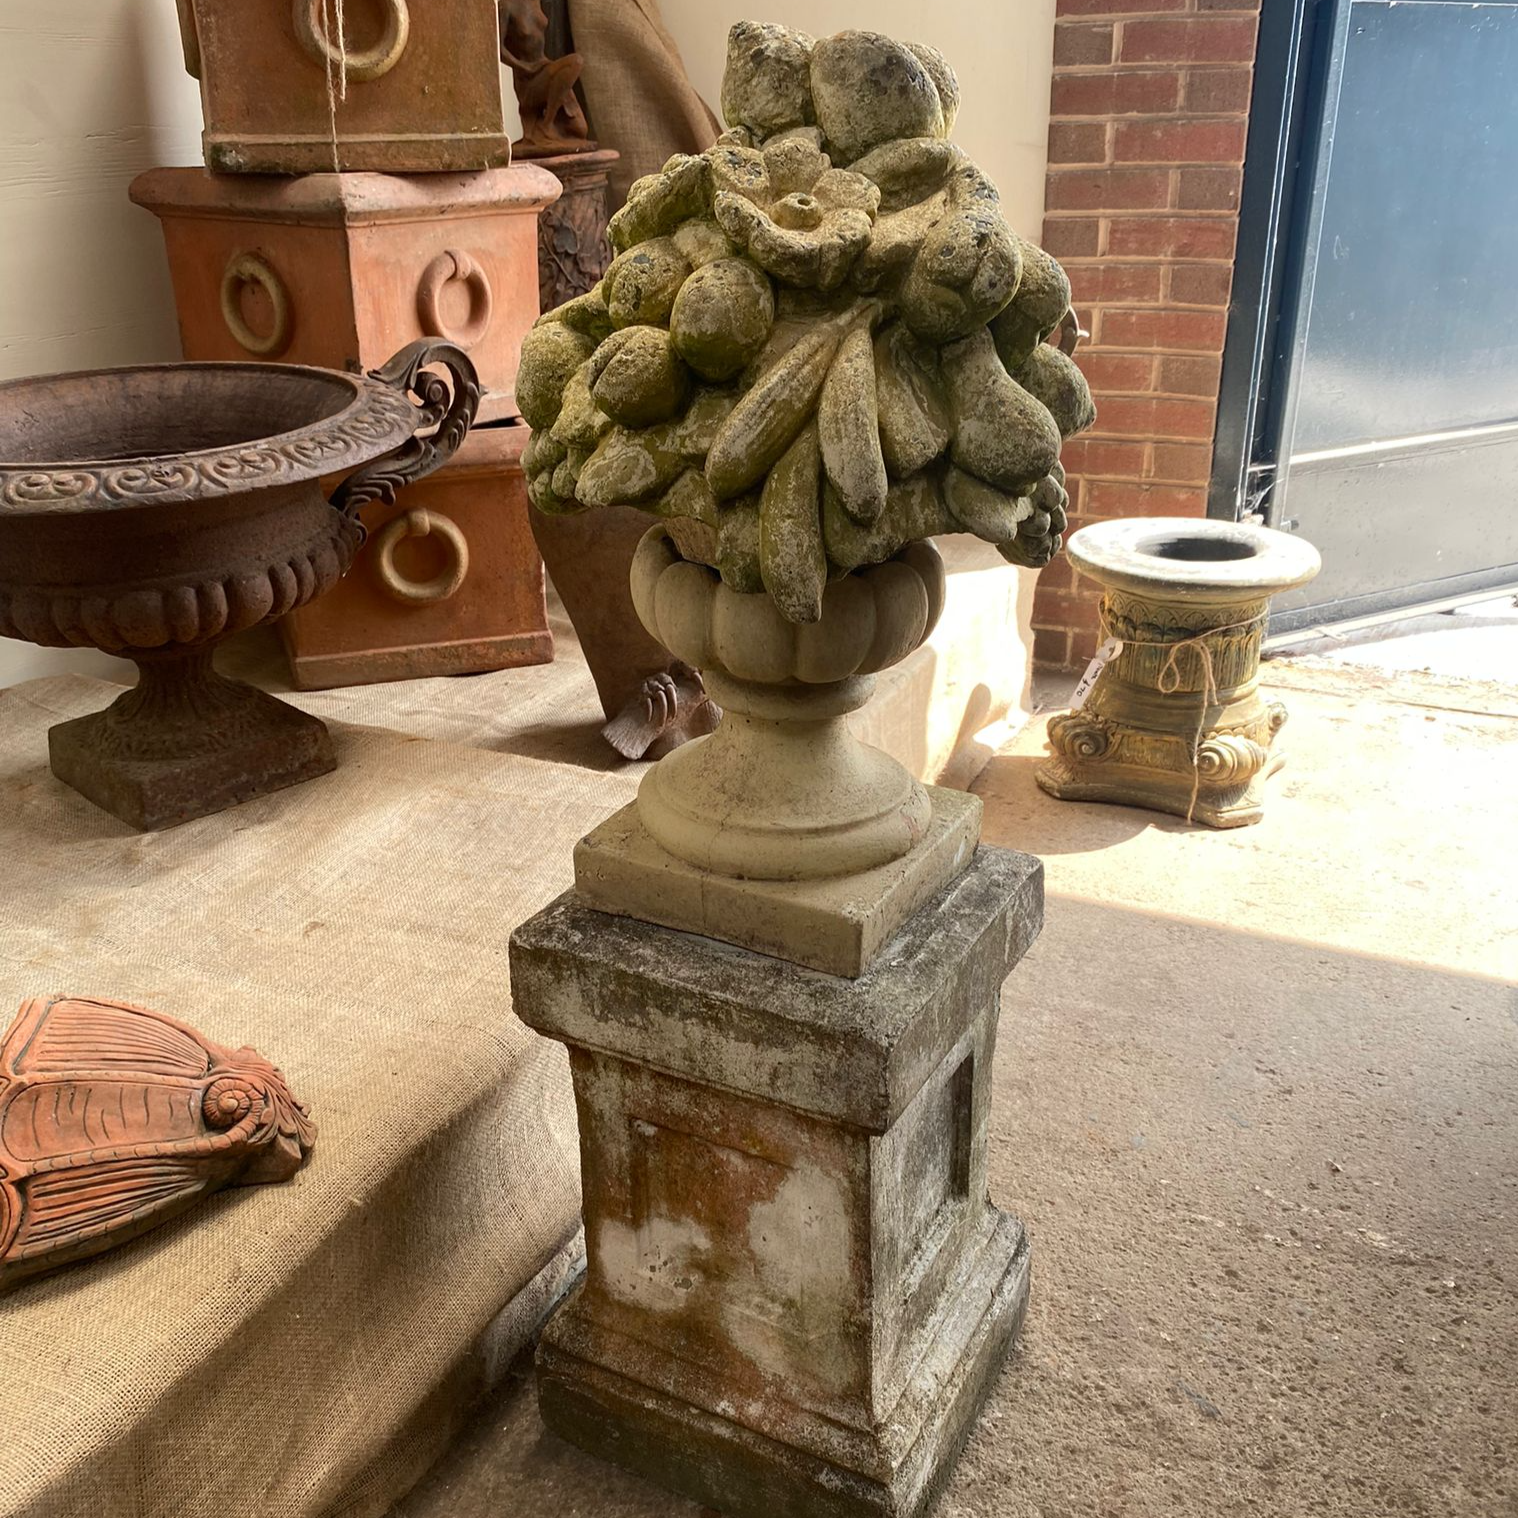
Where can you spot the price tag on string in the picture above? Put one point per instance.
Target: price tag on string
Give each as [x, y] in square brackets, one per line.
[1104, 656]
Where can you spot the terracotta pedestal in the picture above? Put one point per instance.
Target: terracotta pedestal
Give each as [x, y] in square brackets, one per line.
[573, 249]
[449, 582]
[797, 1291]
[339, 269]
[409, 87]
[1175, 720]
[343, 269]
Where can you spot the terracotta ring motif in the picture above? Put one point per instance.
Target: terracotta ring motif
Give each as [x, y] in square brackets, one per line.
[447, 266]
[420, 523]
[357, 67]
[252, 269]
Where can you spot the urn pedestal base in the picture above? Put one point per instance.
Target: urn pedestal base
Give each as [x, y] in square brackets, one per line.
[836, 924]
[186, 742]
[797, 1291]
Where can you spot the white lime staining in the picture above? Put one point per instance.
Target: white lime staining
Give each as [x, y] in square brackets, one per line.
[819, 340]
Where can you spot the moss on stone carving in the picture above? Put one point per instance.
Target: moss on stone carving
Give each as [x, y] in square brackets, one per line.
[819, 340]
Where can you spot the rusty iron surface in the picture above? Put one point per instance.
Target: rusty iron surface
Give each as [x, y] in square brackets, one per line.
[150, 512]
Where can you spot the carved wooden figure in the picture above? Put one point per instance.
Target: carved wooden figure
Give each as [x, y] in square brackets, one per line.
[114, 1118]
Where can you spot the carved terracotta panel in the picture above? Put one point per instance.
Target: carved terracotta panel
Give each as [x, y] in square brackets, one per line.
[114, 1118]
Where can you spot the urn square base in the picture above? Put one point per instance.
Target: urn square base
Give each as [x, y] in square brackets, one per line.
[265, 745]
[837, 926]
[798, 1291]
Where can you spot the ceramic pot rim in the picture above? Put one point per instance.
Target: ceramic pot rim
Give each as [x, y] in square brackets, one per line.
[375, 419]
[1192, 558]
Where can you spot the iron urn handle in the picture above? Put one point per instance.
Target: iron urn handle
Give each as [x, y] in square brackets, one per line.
[446, 408]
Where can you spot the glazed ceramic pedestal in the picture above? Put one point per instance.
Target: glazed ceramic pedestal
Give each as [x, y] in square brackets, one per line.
[798, 1291]
[1175, 721]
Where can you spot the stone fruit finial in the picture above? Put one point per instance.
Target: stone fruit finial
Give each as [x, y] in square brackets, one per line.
[819, 340]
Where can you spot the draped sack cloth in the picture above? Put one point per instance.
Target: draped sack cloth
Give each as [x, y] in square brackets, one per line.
[641, 101]
[306, 1348]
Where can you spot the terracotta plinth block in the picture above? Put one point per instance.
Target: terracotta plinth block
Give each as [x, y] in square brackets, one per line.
[114, 1119]
[798, 1291]
[401, 86]
[449, 581]
[342, 269]
[1175, 719]
[573, 247]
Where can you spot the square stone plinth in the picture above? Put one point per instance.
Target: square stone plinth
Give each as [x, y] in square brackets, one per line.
[797, 1289]
[836, 925]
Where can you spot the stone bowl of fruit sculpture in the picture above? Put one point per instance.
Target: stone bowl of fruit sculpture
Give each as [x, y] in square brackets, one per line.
[151, 512]
[819, 344]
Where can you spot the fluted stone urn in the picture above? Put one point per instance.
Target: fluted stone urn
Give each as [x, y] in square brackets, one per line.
[1175, 719]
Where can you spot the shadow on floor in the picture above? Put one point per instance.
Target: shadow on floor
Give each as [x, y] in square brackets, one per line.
[1270, 1186]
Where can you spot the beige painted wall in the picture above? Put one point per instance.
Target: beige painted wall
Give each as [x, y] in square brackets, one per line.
[1002, 50]
[91, 92]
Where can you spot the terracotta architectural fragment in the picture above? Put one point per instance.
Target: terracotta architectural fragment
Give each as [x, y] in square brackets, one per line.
[114, 1119]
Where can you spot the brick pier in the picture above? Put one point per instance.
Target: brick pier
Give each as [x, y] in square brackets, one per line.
[1148, 115]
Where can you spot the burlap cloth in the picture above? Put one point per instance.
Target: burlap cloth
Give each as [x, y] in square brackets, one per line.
[942, 712]
[263, 1354]
[301, 1351]
[639, 98]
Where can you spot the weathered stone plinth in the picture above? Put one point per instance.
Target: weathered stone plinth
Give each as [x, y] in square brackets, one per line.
[798, 1290]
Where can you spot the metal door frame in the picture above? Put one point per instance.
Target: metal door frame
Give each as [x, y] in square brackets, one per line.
[1299, 65]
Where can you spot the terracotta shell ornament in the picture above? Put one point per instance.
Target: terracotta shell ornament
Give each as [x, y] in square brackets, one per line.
[114, 1118]
[819, 342]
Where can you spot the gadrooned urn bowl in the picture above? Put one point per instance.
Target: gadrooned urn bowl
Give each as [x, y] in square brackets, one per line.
[152, 511]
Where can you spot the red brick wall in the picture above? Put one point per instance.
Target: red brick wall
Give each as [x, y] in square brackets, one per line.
[1147, 119]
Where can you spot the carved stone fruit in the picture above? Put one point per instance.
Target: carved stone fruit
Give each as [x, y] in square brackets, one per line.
[832, 296]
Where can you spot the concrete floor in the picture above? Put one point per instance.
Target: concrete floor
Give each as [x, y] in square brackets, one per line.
[1477, 641]
[1257, 1101]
